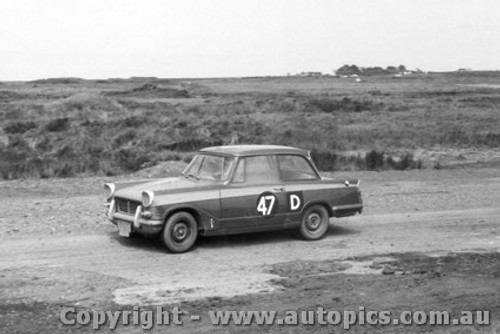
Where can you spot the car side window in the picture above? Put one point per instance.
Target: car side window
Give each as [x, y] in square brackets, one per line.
[256, 170]
[295, 168]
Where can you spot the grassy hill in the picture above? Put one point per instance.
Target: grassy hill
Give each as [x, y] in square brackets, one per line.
[70, 126]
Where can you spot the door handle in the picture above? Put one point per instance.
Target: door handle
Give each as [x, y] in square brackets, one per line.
[279, 189]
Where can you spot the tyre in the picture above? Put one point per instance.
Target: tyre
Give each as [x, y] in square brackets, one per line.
[314, 222]
[180, 232]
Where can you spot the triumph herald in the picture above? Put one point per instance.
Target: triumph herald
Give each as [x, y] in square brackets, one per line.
[230, 190]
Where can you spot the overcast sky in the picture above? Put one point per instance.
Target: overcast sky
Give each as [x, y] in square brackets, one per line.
[221, 38]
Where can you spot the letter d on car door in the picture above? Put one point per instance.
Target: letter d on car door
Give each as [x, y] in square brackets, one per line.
[295, 201]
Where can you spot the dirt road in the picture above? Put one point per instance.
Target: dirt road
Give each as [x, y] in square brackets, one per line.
[58, 250]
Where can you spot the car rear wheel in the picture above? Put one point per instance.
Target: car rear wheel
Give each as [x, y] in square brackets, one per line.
[180, 232]
[314, 222]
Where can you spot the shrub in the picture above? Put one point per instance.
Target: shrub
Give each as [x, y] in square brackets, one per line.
[13, 157]
[407, 161]
[345, 105]
[19, 127]
[151, 90]
[57, 125]
[86, 102]
[66, 170]
[324, 160]
[129, 159]
[7, 96]
[455, 135]
[349, 70]
[492, 139]
[10, 163]
[374, 160]
[124, 137]
[55, 81]
[134, 121]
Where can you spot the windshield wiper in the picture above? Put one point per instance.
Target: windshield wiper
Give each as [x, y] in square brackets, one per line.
[191, 175]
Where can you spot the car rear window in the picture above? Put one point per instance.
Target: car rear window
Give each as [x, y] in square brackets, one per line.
[295, 168]
[255, 170]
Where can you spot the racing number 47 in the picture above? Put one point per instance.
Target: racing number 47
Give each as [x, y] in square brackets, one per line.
[266, 205]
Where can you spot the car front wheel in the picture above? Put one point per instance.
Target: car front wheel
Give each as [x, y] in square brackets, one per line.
[314, 222]
[180, 232]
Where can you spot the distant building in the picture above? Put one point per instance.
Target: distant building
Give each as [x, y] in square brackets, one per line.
[310, 74]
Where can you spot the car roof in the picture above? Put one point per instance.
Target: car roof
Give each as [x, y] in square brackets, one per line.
[248, 150]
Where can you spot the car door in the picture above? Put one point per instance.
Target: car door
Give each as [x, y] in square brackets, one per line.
[302, 185]
[254, 200]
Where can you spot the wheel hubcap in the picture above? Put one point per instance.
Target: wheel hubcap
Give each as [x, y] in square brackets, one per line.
[313, 221]
[180, 231]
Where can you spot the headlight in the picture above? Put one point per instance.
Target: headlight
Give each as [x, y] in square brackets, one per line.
[110, 187]
[147, 198]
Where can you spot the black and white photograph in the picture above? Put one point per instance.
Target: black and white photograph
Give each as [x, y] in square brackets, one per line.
[249, 166]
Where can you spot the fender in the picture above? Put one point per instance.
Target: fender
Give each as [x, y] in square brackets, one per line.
[206, 221]
[323, 203]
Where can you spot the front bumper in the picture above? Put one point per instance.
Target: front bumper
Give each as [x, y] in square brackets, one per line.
[139, 224]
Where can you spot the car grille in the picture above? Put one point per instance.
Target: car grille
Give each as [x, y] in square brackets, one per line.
[126, 206]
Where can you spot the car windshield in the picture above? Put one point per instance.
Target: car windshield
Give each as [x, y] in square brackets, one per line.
[209, 167]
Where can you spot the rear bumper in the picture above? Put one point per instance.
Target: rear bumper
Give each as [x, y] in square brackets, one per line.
[347, 210]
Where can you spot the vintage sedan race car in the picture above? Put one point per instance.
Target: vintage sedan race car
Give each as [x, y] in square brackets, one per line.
[230, 190]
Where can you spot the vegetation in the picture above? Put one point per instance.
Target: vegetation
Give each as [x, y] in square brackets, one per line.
[348, 70]
[67, 127]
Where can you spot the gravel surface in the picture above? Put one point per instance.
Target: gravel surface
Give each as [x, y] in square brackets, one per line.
[57, 250]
